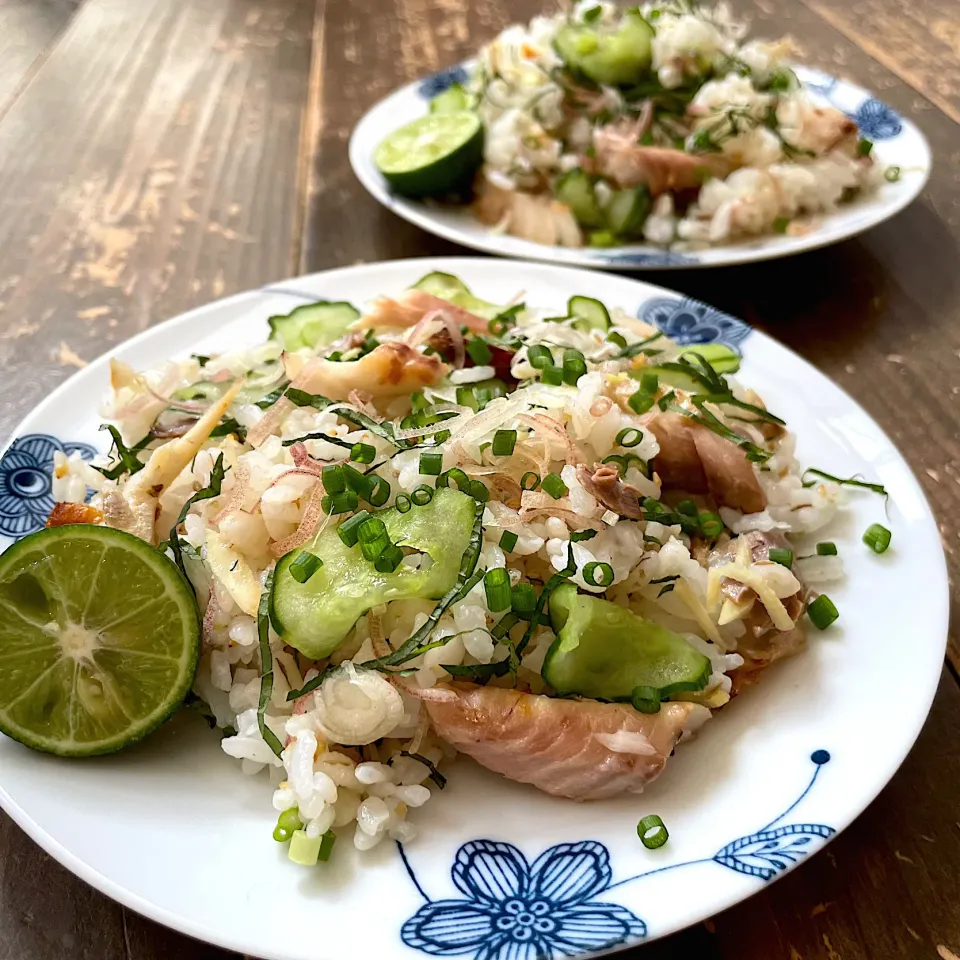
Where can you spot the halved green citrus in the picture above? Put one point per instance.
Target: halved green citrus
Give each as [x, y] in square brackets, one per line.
[99, 640]
[432, 156]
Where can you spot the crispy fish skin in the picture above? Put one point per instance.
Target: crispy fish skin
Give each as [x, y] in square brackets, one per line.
[559, 745]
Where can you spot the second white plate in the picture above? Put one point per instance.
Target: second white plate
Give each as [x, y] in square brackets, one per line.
[897, 142]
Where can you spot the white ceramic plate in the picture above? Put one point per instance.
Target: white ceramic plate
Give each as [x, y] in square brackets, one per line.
[174, 830]
[897, 142]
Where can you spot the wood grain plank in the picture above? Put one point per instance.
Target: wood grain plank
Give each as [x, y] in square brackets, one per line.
[28, 29]
[920, 43]
[149, 166]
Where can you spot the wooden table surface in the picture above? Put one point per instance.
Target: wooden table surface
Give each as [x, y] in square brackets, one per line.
[157, 154]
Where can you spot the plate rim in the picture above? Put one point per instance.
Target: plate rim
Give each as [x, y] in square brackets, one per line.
[738, 253]
[939, 598]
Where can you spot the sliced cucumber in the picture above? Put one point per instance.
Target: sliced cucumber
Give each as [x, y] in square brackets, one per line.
[575, 189]
[721, 357]
[316, 616]
[451, 100]
[627, 211]
[201, 390]
[615, 58]
[448, 287]
[591, 314]
[313, 324]
[605, 652]
[433, 155]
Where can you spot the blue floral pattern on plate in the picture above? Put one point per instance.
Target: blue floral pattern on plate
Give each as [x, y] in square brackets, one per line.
[26, 481]
[435, 85]
[665, 258]
[690, 321]
[877, 121]
[514, 910]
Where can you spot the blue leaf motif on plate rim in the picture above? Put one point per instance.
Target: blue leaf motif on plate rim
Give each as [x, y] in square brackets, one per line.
[435, 84]
[26, 481]
[512, 909]
[689, 321]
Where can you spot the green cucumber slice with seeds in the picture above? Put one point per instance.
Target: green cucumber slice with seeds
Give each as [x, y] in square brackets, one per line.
[604, 652]
[575, 189]
[627, 211]
[616, 58]
[433, 155]
[590, 314]
[99, 640]
[313, 324]
[452, 289]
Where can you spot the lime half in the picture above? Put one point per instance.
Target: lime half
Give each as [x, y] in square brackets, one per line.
[432, 156]
[99, 640]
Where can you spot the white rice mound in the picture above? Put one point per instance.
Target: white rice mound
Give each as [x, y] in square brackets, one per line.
[347, 746]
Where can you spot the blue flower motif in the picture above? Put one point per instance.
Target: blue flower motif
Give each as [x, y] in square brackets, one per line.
[435, 85]
[665, 258]
[878, 121]
[26, 481]
[689, 321]
[515, 910]
[821, 83]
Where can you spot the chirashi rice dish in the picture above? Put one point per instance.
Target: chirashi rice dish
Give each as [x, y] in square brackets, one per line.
[662, 123]
[580, 541]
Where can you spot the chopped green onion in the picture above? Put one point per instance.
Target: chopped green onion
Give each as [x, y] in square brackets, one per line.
[333, 479]
[303, 849]
[363, 453]
[652, 832]
[326, 846]
[418, 402]
[478, 490]
[496, 586]
[389, 559]
[287, 822]
[781, 556]
[618, 339]
[467, 398]
[479, 351]
[508, 540]
[458, 476]
[422, 495]
[877, 537]
[664, 402]
[539, 357]
[357, 481]
[551, 376]
[645, 699]
[304, 566]
[687, 507]
[349, 530]
[530, 481]
[402, 503]
[581, 535]
[826, 548]
[891, 174]
[640, 402]
[711, 525]
[373, 538]
[649, 382]
[629, 437]
[343, 502]
[431, 464]
[523, 599]
[864, 147]
[503, 443]
[780, 224]
[379, 493]
[574, 366]
[553, 485]
[598, 574]
[822, 612]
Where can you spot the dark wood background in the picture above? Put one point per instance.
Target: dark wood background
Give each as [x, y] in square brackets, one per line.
[156, 154]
